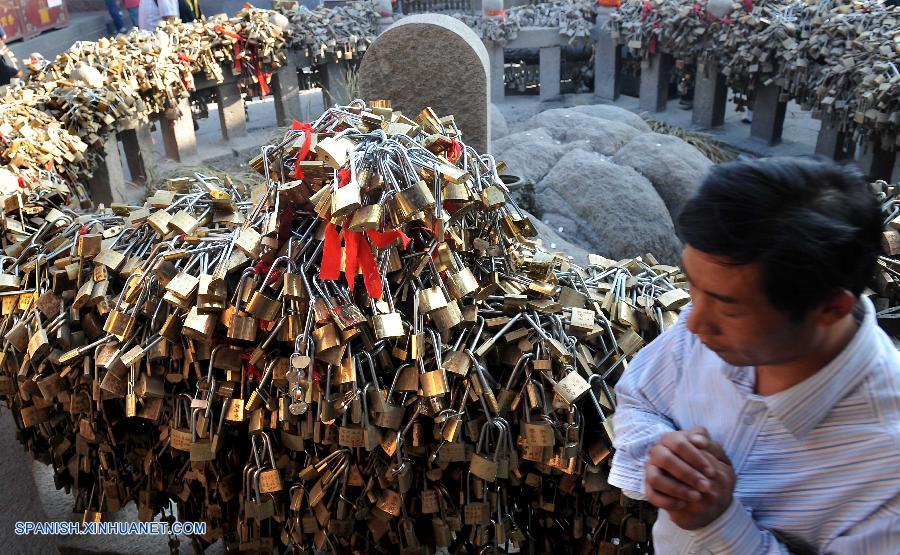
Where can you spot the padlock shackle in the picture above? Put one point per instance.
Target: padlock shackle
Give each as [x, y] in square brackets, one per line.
[286, 260]
[517, 369]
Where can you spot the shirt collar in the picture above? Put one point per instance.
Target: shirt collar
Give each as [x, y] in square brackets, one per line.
[802, 407]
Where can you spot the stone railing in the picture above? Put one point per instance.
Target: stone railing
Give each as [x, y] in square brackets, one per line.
[878, 150]
[710, 100]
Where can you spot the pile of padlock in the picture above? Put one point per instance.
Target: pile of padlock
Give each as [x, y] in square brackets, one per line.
[839, 57]
[887, 274]
[330, 34]
[574, 18]
[71, 104]
[373, 352]
[34, 147]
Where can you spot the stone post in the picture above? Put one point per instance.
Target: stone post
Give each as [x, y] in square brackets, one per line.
[232, 118]
[832, 141]
[138, 145]
[877, 162]
[654, 92]
[496, 61]
[768, 114]
[607, 64]
[286, 88]
[108, 181]
[178, 134]
[710, 96]
[334, 83]
[550, 69]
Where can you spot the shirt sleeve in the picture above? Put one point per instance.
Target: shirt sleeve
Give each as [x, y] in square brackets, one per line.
[736, 533]
[643, 398]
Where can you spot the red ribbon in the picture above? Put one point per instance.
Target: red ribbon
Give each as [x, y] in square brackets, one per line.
[359, 255]
[352, 240]
[455, 151]
[330, 269]
[307, 129]
[237, 45]
[343, 177]
[648, 8]
[263, 77]
[371, 276]
[384, 239]
[260, 74]
[358, 252]
[496, 13]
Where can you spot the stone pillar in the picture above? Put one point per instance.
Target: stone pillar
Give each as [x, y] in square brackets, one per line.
[232, 118]
[831, 141]
[607, 64]
[710, 96]
[178, 134]
[108, 181]
[138, 144]
[768, 114]
[334, 84]
[655, 82]
[449, 72]
[286, 88]
[550, 69]
[877, 162]
[496, 61]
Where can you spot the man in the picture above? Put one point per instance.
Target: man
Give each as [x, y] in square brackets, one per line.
[767, 420]
[151, 11]
[112, 6]
[133, 9]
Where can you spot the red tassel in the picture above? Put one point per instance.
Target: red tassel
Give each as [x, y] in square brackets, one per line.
[455, 151]
[384, 239]
[237, 57]
[371, 276]
[353, 242]
[343, 177]
[304, 150]
[331, 254]
[263, 84]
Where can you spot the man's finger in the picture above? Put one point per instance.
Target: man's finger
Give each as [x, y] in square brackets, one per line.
[679, 444]
[715, 449]
[699, 436]
[660, 481]
[661, 500]
[662, 457]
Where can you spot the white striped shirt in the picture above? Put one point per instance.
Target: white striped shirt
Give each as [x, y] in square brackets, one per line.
[817, 465]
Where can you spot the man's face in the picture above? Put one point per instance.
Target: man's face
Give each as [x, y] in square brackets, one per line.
[732, 316]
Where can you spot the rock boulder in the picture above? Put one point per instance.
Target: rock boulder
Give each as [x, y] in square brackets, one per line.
[674, 167]
[614, 210]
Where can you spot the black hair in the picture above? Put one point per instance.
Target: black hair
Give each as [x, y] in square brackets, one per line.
[812, 225]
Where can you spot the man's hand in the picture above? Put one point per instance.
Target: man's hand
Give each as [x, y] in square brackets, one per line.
[689, 476]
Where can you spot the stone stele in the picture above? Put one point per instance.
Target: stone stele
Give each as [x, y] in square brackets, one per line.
[432, 60]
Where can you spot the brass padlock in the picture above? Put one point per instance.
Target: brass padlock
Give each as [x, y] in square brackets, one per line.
[413, 200]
